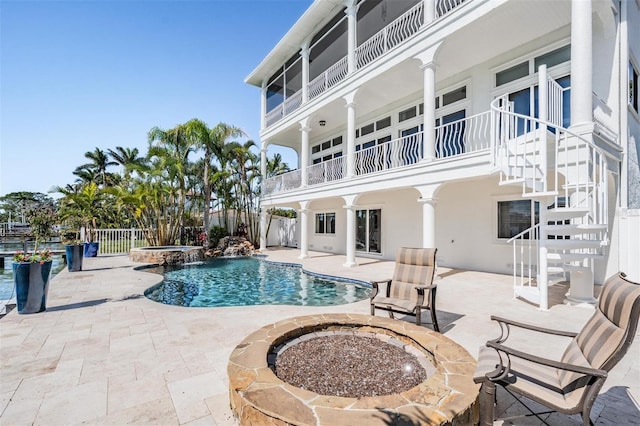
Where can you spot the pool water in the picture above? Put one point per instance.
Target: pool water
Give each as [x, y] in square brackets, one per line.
[249, 281]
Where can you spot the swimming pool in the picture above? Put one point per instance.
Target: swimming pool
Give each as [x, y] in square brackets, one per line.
[249, 281]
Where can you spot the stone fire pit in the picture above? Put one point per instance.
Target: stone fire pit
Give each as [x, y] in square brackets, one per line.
[447, 395]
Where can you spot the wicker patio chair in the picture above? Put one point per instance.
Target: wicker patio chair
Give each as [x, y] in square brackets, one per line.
[411, 289]
[570, 385]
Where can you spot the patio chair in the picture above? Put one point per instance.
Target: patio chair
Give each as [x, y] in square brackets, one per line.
[570, 385]
[411, 289]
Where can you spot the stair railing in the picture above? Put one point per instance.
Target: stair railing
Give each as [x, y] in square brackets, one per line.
[525, 257]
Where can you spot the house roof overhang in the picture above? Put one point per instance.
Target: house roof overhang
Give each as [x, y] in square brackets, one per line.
[314, 18]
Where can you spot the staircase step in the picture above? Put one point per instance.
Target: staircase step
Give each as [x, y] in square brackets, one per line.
[540, 194]
[574, 243]
[561, 213]
[572, 257]
[575, 229]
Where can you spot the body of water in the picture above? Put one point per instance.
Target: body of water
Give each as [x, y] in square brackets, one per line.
[249, 281]
[6, 273]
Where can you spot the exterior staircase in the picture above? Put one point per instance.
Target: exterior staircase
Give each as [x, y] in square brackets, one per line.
[565, 173]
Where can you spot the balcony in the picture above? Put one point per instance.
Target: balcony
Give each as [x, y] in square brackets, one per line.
[452, 140]
[391, 36]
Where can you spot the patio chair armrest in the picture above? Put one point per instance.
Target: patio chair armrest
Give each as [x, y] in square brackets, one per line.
[548, 362]
[532, 327]
[375, 288]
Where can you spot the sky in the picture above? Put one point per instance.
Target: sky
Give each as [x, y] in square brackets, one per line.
[76, 75]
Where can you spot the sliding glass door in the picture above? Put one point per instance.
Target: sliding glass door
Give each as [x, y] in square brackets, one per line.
[368, 230]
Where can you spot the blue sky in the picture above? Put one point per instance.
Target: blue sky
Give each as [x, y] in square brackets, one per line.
[76, 75]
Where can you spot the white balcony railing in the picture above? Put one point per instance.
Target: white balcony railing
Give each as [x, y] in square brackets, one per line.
[390, 36]
[453, 139]
[466, 135]
[283, 182]
[274, 115]
[326, 171]
[390, 155]
[445, 6]
[292, 103]
[332, 76]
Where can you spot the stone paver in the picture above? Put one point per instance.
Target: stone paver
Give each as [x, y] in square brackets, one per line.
[104, 354]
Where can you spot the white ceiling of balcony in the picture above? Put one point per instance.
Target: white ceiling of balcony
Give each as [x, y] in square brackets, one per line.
[511, 25]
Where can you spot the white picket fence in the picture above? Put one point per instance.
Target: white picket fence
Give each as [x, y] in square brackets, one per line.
[118, 241]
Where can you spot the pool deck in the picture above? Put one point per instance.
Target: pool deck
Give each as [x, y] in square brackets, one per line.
[104, 354]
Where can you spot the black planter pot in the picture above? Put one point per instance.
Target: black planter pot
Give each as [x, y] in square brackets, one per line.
[32, 285]
[91, 249]
[75, 253]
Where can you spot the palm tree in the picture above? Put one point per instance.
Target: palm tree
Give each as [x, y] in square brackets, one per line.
[275, 166]
[169, 150]
[212, 141]
[128, 158]
[99, 164]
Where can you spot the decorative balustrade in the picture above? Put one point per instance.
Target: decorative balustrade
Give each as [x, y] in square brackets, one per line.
[452, 139]
[445, 6]
[332, 76]
[390, 36]
[283, 182]
[292, 103]
[466, 135]
[326, 171]
[274, 115]
[390, 155]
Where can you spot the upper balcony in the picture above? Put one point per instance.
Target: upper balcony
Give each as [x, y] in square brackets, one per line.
[290, 88]
[453, 141]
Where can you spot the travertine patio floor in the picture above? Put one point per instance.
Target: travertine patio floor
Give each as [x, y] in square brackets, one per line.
[104, 354]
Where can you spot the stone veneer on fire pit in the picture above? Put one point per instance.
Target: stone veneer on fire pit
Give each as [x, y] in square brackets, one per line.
[447, 396]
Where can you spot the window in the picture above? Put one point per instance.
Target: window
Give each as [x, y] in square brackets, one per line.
[550, 59]
[513, 73]
[634, 102]
[515, 216]
[407, 114]
[454, 96]
[365, 130]
[554, 57]
[326, 150]
[325, 223]
[368, 230]
[383, 124]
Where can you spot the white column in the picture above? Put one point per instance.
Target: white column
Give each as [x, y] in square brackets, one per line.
[351, 134]
[304, 231]
[543, 106]
[304, 155]
[429, 97]
[581, 63]
[351, 236]
[263, 228]
[428, 222]
[305, 72]
[263, 161]
[263, 106]
[429, 11]
[351, 10]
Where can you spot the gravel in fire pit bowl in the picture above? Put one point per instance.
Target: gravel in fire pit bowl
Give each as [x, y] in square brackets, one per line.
[349, 365]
